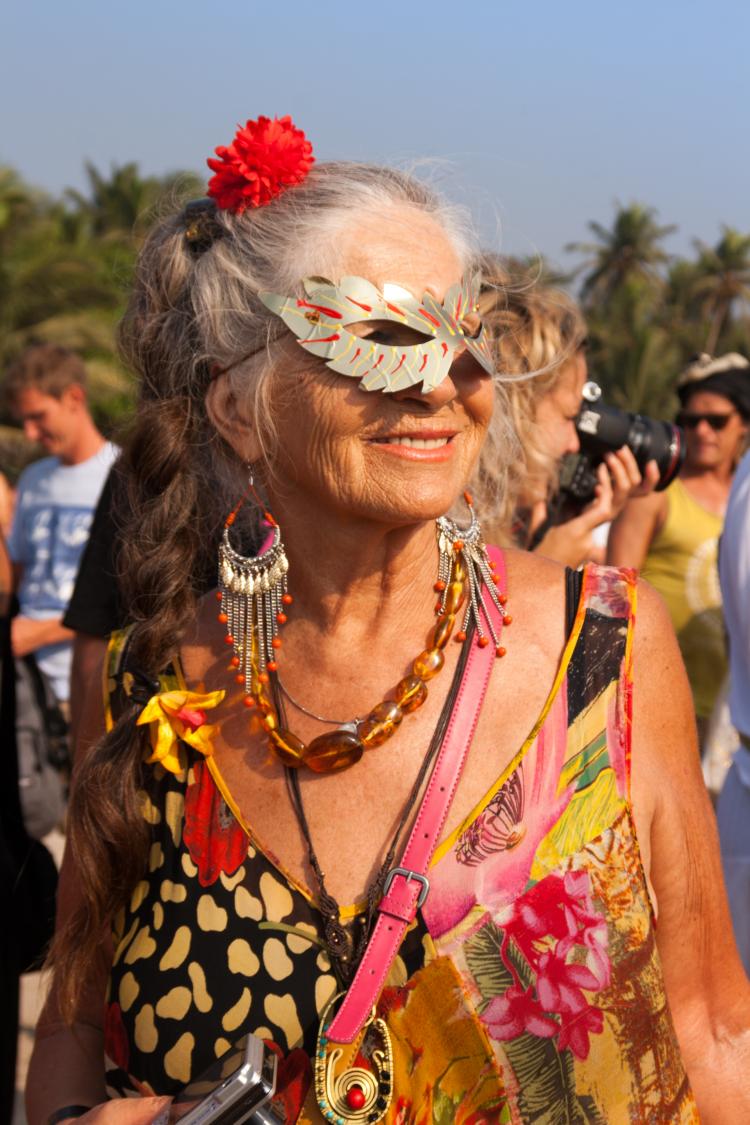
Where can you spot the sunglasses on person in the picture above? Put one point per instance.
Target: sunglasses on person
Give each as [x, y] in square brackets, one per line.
[690, 421]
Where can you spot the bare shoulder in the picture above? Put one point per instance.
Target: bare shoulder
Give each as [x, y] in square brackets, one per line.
[536, 601]
[528, 571]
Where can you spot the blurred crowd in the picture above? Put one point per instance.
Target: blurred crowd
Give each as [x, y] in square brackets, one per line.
[589, 484]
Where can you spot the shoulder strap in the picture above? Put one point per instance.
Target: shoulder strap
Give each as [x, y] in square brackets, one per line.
[573, 587]
[407, 886]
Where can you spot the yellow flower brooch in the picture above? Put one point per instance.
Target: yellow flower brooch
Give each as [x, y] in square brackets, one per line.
[179, 715]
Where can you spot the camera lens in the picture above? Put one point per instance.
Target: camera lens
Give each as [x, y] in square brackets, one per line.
[604, 429]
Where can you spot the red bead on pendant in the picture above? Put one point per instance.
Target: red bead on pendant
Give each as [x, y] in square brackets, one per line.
[355, 1097]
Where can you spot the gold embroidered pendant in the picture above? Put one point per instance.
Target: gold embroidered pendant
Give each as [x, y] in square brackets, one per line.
[357, 1095]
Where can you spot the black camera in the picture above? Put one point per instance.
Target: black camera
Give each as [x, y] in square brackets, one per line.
[603, 429]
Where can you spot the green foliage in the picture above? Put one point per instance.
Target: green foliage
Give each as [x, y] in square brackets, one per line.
[65, 270]
[649, 313]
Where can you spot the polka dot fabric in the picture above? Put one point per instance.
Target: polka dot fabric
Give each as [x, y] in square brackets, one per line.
[214, 943]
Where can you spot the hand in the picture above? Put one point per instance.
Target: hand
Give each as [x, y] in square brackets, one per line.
[27, 635]
[24, 635]
[627, 479]
[571, 542]
[125, 1111]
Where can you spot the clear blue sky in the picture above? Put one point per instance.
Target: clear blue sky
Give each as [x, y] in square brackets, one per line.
[540, 113]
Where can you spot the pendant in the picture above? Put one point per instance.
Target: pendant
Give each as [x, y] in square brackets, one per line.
[356, 1096]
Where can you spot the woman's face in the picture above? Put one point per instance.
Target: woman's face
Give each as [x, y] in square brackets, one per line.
[557, 411]
[401, 457]
[709, 448]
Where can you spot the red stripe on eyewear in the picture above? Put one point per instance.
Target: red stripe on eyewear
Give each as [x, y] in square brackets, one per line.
[318, 308]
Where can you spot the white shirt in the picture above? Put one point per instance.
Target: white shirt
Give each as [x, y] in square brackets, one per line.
[734, 574]
[54, 509]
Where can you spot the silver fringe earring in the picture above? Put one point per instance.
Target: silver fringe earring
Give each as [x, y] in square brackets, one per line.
[467, 544]
[253, 595]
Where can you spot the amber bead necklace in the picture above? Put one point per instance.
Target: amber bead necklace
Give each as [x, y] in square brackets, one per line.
[254, 597]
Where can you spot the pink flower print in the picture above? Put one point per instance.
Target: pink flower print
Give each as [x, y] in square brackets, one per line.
[537, 915]
[515, 1012]
[585, 927]
[580, 912]
[558, 985]
[576, 1028]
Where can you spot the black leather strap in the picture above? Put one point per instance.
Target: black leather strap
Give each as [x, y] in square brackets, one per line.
[573, 587]
[67, 1111]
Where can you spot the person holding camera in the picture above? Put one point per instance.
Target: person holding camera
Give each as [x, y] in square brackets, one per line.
[672, 537]
[539, 339]
[427, 896]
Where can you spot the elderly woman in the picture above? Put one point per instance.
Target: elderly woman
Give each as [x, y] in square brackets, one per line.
[318, 819]
[538, 337]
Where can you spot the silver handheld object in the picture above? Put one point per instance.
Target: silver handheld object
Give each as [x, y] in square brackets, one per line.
[243, 1095]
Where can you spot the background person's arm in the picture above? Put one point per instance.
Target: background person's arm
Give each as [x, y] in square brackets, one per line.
[27, 634]
[89, 653]
[6, 578]
[634, 530]
[572, 542]
[708, 992]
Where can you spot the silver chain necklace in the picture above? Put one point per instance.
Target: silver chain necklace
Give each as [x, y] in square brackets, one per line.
[348, 724]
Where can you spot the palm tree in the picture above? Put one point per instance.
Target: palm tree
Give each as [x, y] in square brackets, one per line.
[679, 312]
[125, 203]
[629, 250]
[724, 280]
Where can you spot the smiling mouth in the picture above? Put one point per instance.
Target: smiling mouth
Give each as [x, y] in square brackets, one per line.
[412, 442]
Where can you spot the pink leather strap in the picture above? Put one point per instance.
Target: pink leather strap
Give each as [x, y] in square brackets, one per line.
[407, 885]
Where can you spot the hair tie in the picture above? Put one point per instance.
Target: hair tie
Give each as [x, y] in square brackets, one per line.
[202, 227]
[136, 685]
[264, 159]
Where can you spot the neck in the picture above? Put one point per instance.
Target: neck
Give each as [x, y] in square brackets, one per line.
[358, 576]
[87, 443]
[719, 476]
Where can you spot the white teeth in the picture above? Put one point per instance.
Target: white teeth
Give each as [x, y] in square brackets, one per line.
[418, 443]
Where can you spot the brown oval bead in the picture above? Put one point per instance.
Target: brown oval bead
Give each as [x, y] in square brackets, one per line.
[387, 712]
[411, 693]
[375, 734]
[428, 663]
[381, 723]
[287, 746]
[443, 630]
[334, 751]
[459, 571]
[454, 597]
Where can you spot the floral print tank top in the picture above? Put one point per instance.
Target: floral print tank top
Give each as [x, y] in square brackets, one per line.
[529, 988]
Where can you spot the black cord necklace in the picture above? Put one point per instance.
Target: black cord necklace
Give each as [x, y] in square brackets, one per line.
[346, 950]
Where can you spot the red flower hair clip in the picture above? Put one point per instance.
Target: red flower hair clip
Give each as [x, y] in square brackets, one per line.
[264, 158]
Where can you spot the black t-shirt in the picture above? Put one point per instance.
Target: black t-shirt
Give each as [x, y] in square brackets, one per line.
[95, 606]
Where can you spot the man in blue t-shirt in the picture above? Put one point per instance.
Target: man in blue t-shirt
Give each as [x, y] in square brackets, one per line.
[46, 390]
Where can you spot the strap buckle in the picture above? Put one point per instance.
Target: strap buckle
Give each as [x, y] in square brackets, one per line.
[408, 875]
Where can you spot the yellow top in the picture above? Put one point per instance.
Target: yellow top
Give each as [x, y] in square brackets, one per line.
[682, 565]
